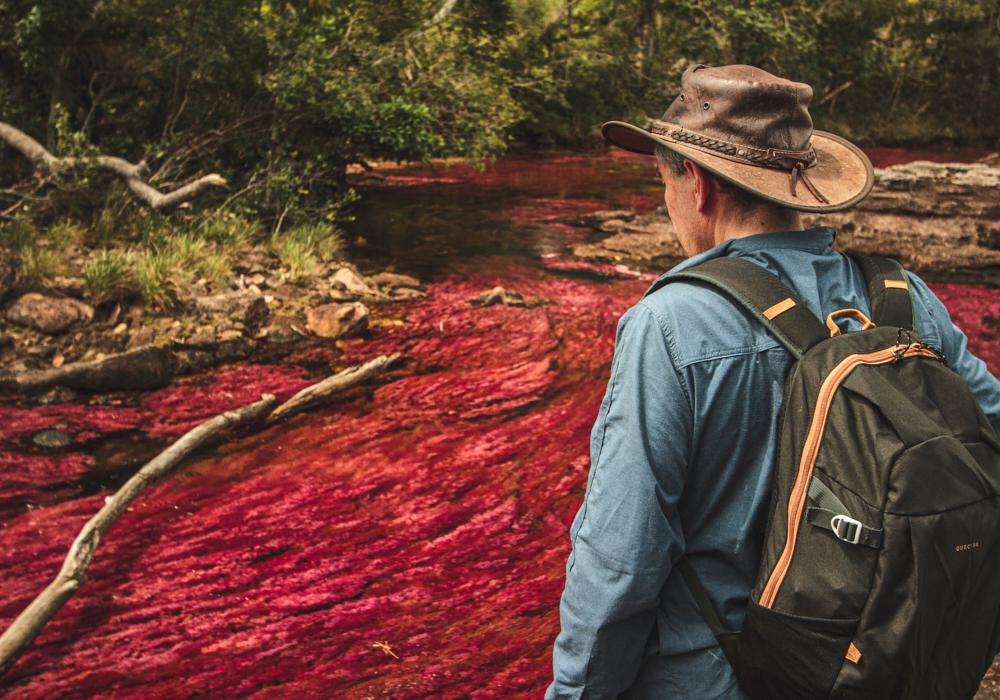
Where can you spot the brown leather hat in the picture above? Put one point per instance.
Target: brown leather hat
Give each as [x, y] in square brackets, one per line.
[754, 130]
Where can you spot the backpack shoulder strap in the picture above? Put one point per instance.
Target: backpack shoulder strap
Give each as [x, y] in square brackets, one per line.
[763, 295]
[888, 292]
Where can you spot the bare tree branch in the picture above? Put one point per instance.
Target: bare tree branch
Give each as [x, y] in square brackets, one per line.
[73, 575]
[437, 19]
[311, 395]
[133, 175]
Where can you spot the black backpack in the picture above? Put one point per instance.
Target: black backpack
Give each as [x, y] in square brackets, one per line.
[880, 572]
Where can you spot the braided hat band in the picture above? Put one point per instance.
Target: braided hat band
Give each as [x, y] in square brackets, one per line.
[793, 162]
[740, 153]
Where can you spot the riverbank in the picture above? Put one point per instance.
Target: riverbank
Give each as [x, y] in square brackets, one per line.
[406, 541]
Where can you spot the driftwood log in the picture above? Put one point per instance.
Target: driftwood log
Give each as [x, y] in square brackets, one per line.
[133, 175]
[74, 570]
[312, 395]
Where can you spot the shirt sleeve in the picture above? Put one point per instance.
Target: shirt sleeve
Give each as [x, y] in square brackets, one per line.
[627, 534]
[954, 344]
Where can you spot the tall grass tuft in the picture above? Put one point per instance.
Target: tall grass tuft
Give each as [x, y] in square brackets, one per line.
[303, 249]
[110, 276]
[161, 277]
[231, 235]
[39, 265]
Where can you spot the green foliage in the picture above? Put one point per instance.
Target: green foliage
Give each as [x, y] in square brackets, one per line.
[161, 278]
[232, 234]
[110, 276]
[302, 249]
[40, 264]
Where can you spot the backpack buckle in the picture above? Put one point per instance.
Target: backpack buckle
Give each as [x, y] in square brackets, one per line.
[846, 528]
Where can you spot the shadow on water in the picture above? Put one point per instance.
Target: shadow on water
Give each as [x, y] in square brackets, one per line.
[117, 457]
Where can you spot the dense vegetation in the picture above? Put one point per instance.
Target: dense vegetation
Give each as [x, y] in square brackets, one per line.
[280, 98]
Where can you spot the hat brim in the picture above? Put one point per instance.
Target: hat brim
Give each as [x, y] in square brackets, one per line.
[842, 172]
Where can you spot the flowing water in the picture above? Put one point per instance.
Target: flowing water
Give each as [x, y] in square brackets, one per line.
[408, 540]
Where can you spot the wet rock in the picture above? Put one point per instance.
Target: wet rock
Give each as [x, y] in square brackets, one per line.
[48, 314]
[234, 350]
[187, 361]
[348, 280]
[338, 320]
[287, 292]
[8, 272]
[142, 338]
[42, 351]
[245, 306]
[70, 286]
[283, 329]
[390, 279]
[145, 368]
[231, 334]
[499, 295]
[407, 294]
[60, 394]
[205, 335]
[52, 439]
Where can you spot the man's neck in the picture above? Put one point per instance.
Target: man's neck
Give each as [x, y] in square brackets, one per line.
[732, 223]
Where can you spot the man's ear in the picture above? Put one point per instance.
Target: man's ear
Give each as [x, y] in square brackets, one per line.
[704, 185]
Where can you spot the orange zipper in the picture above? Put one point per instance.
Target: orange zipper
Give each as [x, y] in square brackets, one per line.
[798, 498]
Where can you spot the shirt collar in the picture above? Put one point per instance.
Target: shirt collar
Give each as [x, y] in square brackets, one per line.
[814, 240]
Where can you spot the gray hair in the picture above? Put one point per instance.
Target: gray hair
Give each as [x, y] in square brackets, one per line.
[675, 161]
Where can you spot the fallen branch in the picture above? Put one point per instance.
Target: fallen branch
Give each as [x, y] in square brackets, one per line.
[437, 19]
[311, 395]
[133, 175]
[74, 570]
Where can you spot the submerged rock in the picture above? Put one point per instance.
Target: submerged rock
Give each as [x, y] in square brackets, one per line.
[145, 368]
[499, 295]
[52, 439]
[338, 320]
[49, 315]
[390, 279]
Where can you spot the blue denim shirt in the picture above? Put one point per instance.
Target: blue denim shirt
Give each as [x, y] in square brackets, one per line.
[681, 459]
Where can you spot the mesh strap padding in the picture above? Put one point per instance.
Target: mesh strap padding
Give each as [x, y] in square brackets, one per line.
[892, 304]
[759, 291]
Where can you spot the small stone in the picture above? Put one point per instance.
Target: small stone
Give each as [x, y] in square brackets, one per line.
[72, 286]
[50, 315]
[338, 320]
[205, 335]
[58, 361]
[42, 351]
[234, 334]
[52, 439]
[59, 394]
[257, 279]
[360, 242]
[283, 329]
[115, 313]
[234, 350]
[120, 328]
[248, 307]
[350, 281]
[287, 292]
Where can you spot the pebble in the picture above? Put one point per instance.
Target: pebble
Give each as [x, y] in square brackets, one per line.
[52, 438]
